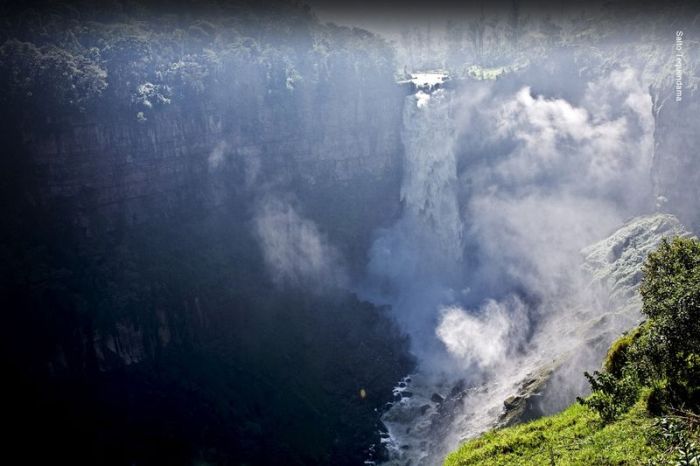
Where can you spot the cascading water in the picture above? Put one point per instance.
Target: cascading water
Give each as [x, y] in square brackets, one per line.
[471, 361]
[430, 169]
[425, 246]
[417, 262]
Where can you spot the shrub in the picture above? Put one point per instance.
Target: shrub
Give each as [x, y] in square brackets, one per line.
[619, 352]
[611, 396]
[676, 438]
[670, 351]
[664, 352]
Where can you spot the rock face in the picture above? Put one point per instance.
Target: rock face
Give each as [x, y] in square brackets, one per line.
[518, 408]
[676, 169]
[126, 170]
[615, 262]
[131, 261]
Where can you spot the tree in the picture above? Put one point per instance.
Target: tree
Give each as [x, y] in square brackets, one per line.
[662, 354]
[48, 78]
[671, 301]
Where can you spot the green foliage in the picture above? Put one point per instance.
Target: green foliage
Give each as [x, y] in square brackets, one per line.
[662, 354]
[678, 439]
[618, 354]
[616, 388]
[145, 59]
[611, 396]
[576, 437]
[670, 349]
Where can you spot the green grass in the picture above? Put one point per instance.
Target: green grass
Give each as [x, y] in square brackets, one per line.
[575, 436]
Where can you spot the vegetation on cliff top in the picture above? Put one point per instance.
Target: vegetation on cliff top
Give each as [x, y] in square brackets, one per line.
[645, 401]
[138, 57]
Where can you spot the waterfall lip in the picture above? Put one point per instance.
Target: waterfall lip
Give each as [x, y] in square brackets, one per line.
[428, 80]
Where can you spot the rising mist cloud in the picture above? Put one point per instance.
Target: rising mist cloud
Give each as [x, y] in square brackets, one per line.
[484, 338]
[296, 253]
[560, 177]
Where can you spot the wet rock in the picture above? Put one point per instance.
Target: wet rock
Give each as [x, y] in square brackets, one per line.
[512, 401]
[519, 407]
[457, 389]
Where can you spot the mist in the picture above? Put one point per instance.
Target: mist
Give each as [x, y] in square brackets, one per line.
[295, 251]
[503, 187]
[315, 233]
[557, 177]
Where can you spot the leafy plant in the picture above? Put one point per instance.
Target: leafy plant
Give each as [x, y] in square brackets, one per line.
[611, 396]
[663, 353]
[670, 349]
[674, 435]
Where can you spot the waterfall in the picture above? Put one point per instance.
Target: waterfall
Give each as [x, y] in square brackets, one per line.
[489, 333]
[415, 264]
[430, 171]
[469, 361]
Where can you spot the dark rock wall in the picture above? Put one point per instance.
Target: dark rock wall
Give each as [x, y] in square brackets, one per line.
[130, 171]
[676, 166]
[141, 326]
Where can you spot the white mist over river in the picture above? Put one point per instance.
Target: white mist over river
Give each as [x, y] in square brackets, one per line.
[484, 269]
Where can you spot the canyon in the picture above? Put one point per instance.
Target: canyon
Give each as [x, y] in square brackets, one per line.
[279, 248]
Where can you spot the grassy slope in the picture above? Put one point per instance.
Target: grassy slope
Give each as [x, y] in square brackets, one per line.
[573, 437]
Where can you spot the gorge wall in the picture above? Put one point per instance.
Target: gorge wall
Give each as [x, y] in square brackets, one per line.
[128, 171]
[675, 171]
[149, 317]
[192, 200]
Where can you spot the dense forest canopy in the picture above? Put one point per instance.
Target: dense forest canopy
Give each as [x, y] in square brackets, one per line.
[138, 57]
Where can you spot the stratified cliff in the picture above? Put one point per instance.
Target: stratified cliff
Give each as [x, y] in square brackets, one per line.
[142, 323]
[203, 114]
[676, 170]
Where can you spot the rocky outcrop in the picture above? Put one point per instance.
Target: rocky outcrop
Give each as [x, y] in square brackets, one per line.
[518, 408]
[615, 262]
[614, 266]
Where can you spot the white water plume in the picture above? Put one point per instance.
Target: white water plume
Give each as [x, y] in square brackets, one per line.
[425, 246]
[483, 270]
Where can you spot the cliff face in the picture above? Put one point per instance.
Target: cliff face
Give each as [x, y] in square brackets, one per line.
[128, 171]
[113, 174]
[139, 305]
[134, 262]
[676, 170]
